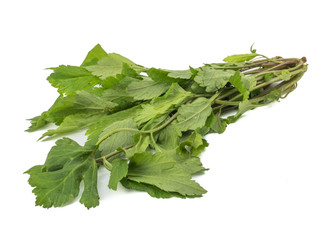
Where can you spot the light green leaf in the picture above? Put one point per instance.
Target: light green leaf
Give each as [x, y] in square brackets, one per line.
[119, 170]
[88, 101]
[194, 115]
[57, 184]
[240, 57]
[159, 170]
[285, 75]
[244, 84]
[69, 79]
[195, 88]
[118, 134]
[74, 122]
[38, 122]
[165, 104]
[268, 76]
[111, 65]
[191, 165]
[213, 79]
[94, 56]
[183, 74]
[146, 89]
[81, 102]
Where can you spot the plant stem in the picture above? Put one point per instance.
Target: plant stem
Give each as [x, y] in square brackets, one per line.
[161, 126]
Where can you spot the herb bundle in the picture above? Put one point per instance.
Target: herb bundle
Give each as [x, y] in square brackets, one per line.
[147, 125]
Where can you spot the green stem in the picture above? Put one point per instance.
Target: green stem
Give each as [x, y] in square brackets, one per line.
[161, 126]
[104, 158]
[106, 164]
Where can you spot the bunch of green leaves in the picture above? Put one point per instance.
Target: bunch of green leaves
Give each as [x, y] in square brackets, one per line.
[146, 125]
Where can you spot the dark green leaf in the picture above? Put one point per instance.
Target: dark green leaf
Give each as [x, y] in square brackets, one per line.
[194, 145]
[119, 171]
[194, 115]
[159, 170]
[152, 190]
[164, 76]
[57, 181]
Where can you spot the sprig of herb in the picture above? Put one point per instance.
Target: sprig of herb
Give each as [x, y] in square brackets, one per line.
[147, 125]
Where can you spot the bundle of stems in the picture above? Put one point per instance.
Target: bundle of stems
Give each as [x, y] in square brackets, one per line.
[259, 69]
[147, 126]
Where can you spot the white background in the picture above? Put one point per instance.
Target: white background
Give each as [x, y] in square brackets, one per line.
[264, 180]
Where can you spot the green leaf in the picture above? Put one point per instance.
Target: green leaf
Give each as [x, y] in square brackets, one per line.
[65, 150]
[194, 115]
[169, 137]
[194, 145]
[118, 134]
[87, 101]
[69, 79]
[195, 88]
[174, 97]
[57, 181]
[38, 122]
[217, 124]
[90, 196]
[141, 143]
[170, 142]
[159, 170]
[243, 83]
[240, 57]
[94, 131]
[183, 74]
[146, 89]
[285, 75]
[165, 76]
[81, 102]
[243, 107]
[152, 190]
[119, 171]
[191, 165]
[213, 79]
[268, 76]
[74, 122]
[111, 65]
[94, 56]
[273, 95]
